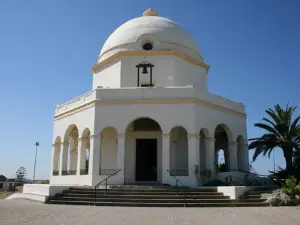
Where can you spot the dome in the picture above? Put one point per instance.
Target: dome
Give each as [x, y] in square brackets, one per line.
[162, 33]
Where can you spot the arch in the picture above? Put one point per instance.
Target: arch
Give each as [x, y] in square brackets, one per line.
[226, 129]
[108, 150]
[222, 138]
[143, 124]
[56, 156]
[179, 151]
[143, 150]
[70, 150]
[203, 135]
[241, 153]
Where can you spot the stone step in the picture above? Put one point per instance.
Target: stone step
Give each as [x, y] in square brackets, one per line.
[80, 195]
[147, 200]
[112, 192]
[145, 204]
[204, 190]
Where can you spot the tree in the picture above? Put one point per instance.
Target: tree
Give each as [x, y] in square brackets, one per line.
[282, 132]
[21, 174]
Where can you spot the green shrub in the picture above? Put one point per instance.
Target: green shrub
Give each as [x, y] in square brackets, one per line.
[291, 187]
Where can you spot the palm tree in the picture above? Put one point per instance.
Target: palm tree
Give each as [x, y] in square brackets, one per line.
[282, 133]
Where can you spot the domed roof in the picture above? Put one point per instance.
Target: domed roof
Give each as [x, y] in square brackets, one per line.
[163, 33]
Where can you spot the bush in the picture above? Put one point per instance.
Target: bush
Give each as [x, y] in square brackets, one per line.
[277, 197]
[291, 187]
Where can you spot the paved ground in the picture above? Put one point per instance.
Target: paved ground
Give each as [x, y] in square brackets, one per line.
[23, 212]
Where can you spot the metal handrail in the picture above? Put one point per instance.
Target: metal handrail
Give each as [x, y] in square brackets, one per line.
[179, 182]
[105, 184]
[248, 173]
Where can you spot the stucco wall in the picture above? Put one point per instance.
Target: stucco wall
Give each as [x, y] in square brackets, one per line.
[186, 73]
[108, 76]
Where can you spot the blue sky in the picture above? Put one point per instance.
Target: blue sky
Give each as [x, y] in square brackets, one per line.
[47, 49]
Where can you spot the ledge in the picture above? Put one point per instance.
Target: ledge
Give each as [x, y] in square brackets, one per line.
[146, 95]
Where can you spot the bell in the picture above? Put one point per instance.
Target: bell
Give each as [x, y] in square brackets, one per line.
[145, 71]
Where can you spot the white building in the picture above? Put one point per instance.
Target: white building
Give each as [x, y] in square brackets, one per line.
[149, 112]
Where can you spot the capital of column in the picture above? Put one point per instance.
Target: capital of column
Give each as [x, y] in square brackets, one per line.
[94, 136]
[64, 143]
[121, 135]
[196, 136]
[83, 139]
[57, 144]
[165, 135]
[210, 138]
[232, 143]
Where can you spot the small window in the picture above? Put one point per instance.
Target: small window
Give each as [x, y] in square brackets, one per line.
[1, 185]
[147, 46]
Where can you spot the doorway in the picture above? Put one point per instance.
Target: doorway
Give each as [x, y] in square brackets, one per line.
[146, 160]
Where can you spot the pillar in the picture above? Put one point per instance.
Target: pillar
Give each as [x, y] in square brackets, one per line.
[245, 163]
[52, 167]
[55, 164]
[166, 159]
[81, 156]
[64, 158]
[193, 158]
[233, 160]
[94, 161]
[121, 158]
[210, 155]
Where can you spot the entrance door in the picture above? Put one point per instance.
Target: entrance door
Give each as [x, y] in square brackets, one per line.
[146, 160]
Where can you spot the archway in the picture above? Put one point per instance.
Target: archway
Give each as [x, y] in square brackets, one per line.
[56, 156]
[221, 148]
[70, 151]
[108, 151]
[85, 152]
[179, 152]
[143, 151]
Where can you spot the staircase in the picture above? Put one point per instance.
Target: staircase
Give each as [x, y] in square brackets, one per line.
[147, 196]
[256, 193]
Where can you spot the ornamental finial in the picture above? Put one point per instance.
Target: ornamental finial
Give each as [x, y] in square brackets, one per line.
[150, 12]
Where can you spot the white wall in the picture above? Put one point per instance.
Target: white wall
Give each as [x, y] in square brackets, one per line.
[109, 76]
[162, 72]
[108, 155]
[189, 74]
[210, 118]
[107, 113]
[167, 71]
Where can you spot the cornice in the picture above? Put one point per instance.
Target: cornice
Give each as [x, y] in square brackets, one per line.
[150, 53]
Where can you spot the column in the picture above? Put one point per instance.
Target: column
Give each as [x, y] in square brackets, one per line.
[233, 161]
[55, 163]
[121, 158]
[63, 157]
[165, 159]
[94, 161]
[81, 157]
[53, 158]
[245, 163]
[193, 158]
[210, 156]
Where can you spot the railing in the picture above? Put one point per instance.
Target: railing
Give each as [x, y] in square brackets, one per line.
[250, 178]
[105, 184]
[177, 186]
[84, 172]
[68, 172]
[55, 172]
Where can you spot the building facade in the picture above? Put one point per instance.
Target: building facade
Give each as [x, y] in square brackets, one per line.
[149, 114]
